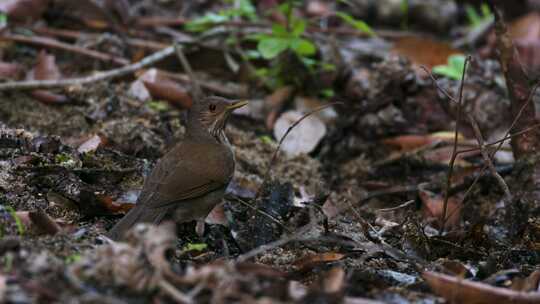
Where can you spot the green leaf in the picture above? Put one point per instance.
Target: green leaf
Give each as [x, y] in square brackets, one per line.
[328, 66]
[266, 139]
[3, 20]
[328, 93]
[308, 62]
[486, 11]
[70, 259]
[357, 24]
[8, 263]
[262, 72]
[257, 37]
[404, 13]
[205, 22]
[18, 221]
[454, 68]
[158, 106]
[472, 15]
[279, 30]
[247, 8]
[298, 27]
[285, 7]
[303, 47]
[457, 63]
[272, 47]
[253, 54]
[194, 247]
[446, 71]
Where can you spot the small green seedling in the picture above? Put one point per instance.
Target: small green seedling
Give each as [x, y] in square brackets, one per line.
[158, 106]
[3, 20]
[454, 68]
[475, 18]
[8, 263]
[70, 259]
[193, 247]
[266, 139]
[357, 24]
[281, 39]
[405, 14]
[244, 9]
[18, 221]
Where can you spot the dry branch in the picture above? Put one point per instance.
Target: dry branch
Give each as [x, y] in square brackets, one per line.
[519, 92]
[52, 43]
[49, 84]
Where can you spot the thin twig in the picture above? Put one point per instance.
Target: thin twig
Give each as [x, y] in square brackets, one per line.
[366, 226]
[436, 83]
[269, 216]
[454, 149]
[278, 243]
[163, 21]
[52, 43]
[75, 35]
[174, 293]
[487, 158]
[406, 204]
[49, 84]
[502, 140]
[499, 142]
[529, 99]
[198, 94]
[276, 151]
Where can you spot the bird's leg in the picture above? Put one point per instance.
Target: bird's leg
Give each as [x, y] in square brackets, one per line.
[199, 228]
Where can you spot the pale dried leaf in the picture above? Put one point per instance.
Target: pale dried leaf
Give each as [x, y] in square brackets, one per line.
[304, 137]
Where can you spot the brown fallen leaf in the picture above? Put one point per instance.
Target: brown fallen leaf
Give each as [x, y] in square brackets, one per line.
[275, 102]
[169, 91]
[43, 223]
[90, 145]
[453, 267]
[156, 84]
[113, 207]
[48, 97]
[23, 10]
[409, 142]
[334, 280]
[432, 207]
[443, 155]
[305, 136]
[526, 34]
[308, 262]
[46, 69]
[528, 284]
[456, 290]
[3, 287]
[10, 70]
[423, 51]
[330, 209]
[217, 216]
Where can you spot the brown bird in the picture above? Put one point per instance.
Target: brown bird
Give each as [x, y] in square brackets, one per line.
[190, 179]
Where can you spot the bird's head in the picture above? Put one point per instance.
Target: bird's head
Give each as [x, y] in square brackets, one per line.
[211, 113]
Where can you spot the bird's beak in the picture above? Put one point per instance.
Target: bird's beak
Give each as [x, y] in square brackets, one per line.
[236, 104]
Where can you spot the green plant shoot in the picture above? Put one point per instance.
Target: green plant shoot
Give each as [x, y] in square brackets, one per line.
[454, 68]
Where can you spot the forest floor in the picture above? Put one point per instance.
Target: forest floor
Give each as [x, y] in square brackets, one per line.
[350, 209]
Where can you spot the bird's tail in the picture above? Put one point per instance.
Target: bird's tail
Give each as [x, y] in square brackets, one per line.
[137, 214]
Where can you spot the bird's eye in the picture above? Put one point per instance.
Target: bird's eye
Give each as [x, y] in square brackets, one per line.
[212, 107]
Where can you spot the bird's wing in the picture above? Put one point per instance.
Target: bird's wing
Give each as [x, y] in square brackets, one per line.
[187, 174]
